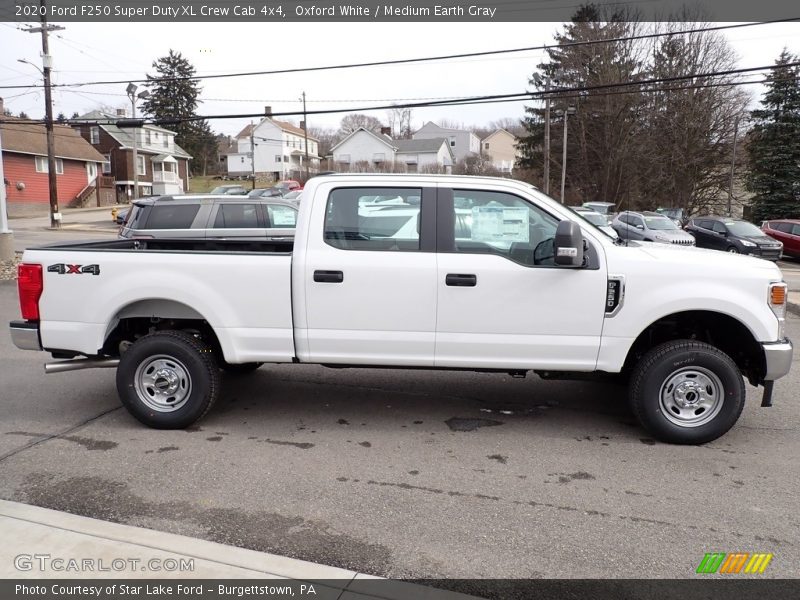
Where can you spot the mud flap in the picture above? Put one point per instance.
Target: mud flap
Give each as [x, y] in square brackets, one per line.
[766, 399]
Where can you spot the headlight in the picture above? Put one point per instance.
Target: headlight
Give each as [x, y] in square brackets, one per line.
[748, 244]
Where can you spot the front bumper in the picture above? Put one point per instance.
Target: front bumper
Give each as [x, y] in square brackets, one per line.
[25, 335]
[777, 358]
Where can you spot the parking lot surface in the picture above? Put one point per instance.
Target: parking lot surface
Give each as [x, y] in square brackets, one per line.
[410, 473]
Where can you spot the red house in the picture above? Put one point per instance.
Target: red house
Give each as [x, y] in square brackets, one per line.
[23, 147]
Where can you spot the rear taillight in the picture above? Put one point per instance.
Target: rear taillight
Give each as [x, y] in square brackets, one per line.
[30, 285]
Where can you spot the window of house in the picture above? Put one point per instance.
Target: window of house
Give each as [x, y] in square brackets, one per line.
[237, 216]
[41, 165]
[383, 219]
[94, 135]
[141, 167]
[286, 158]
[486, 146]
[148, 137]
[106, 164]
[411, 167]
[278, 158]
[488, 222]
[166, 141]
[452, 141]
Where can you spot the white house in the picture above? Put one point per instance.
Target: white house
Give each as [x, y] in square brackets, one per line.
[279, 149]
[365, 147]
[463, 143]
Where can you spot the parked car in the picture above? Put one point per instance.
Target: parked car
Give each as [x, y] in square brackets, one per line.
[229, 190]
[265, 193]
[596, 219]
[676, 214]
[736, 236]
[650, 227]
[293, 196]
[288, 185]
[606, 209]
[211, 217]
[121, 216]
[786, 231]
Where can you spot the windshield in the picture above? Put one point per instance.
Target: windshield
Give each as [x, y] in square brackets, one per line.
[660, 224]
[743, 229]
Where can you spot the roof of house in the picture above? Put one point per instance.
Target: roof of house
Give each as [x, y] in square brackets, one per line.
[31, 138]
[283, 125]
[385, 139]
[429, 145]
[496, 131]
[125, 136]
[431, 124]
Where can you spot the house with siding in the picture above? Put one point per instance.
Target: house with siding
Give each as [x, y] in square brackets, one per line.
[500, 148]
[463, 143]
[163, 166]
[25, 167]
[365, 149]
[277, 147]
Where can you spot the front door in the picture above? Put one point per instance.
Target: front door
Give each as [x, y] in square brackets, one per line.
[370, 282]
[502, 302]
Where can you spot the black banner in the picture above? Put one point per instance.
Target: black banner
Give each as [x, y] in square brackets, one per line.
[245, 11]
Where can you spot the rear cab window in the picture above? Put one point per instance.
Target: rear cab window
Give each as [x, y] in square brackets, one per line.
[382, 219]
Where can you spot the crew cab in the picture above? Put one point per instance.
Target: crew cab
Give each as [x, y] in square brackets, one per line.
[415, 271]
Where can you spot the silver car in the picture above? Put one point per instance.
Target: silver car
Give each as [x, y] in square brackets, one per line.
[211, 217]
[650, 227]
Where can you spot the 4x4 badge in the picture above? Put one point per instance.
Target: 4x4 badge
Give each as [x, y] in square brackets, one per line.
[63, 269]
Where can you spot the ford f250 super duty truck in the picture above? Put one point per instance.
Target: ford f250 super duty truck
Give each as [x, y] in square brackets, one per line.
[420, 272]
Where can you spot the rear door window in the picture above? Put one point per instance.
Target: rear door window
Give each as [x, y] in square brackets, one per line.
[281, 216]
[172, 216]
[795, 229]
[236, 215]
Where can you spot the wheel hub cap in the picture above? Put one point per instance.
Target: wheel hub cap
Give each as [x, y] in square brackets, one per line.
[691, 396]
[163, 383]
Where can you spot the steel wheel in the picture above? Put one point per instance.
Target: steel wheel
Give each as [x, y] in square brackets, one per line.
[163, 383]
[691, 397]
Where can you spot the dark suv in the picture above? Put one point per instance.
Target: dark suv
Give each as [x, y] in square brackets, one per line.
[733, 235]
[211, 217]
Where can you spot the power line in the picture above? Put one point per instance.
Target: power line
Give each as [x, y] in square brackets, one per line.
[419, 59]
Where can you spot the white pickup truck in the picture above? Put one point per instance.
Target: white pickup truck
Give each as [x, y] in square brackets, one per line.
[417, 271]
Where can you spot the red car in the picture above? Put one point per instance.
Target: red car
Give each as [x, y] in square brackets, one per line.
[786, 231]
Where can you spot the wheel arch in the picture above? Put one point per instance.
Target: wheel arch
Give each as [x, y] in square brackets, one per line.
[147, 315]
[721, 330]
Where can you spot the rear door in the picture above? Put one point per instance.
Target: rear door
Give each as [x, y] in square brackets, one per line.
[366, 283]
[702, 231]
[502, 302]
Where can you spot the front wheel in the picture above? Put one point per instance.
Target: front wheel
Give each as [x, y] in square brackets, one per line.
[733, 250]
[168, 379]
[687, 392]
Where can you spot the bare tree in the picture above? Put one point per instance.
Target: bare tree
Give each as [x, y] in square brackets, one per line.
[399, 120]
[355, 120]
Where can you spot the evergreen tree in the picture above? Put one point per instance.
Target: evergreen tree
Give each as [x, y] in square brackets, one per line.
[61, 118]
[774, 145]
[23, 115]
[174, 95]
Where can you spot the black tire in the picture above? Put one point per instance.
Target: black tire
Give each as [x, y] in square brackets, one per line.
[732, 250]
[239, 369]
[686, 392]
[168, 380]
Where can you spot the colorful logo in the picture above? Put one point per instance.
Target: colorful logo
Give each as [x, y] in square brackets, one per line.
[735, 562]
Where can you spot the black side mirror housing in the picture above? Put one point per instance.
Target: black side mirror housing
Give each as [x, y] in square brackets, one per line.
[568, 246]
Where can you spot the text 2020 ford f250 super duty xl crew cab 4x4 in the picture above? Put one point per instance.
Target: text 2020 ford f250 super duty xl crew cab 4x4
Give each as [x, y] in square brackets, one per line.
[421, 272]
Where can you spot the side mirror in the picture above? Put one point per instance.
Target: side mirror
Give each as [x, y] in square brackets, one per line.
[568, 245]
[639, 227]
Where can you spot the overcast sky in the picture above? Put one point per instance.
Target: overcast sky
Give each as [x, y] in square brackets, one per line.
[87, 52]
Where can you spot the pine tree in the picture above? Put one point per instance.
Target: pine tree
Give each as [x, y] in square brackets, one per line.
[174, 95]
[774, 145]
[61, 118]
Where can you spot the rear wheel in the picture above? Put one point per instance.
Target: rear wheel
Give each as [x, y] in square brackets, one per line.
[687, 392]
[168, 380]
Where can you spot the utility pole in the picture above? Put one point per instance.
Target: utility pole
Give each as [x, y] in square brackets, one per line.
[47, 63]
[253, 154]
[546, 187]
[131, 91]
[6, 235]
[305, 131]
[733, 163]
[567, 111]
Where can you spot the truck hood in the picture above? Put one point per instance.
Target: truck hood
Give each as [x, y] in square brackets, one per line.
[712, 262]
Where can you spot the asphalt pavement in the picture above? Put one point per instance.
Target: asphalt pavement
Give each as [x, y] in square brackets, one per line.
[410, 473]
